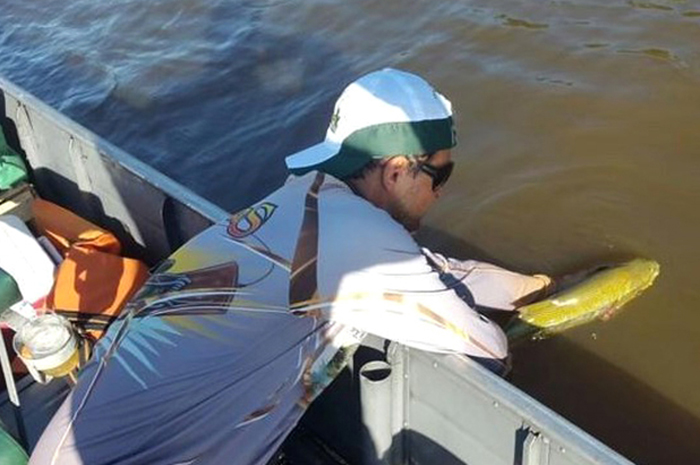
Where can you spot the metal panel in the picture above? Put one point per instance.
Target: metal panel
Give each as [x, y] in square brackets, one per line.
[465, 413]
[470, 424]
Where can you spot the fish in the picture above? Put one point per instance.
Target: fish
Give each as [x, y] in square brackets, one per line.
[601, 295]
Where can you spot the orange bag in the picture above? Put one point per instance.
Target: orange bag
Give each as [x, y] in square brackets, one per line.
[64, 228]
[91, 287]
[93, 283]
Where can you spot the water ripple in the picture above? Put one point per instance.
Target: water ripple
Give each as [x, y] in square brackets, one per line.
[515, 22]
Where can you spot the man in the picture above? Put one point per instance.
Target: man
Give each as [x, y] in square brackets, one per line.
[217, 357]
[389, 141]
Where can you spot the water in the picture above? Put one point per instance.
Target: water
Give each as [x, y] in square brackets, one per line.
[578, 126]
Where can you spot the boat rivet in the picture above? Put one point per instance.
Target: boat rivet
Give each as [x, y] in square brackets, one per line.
[496, 404]
[405, 424]
[405, 376]
[562, 450]
[545, 440]
[434, 364]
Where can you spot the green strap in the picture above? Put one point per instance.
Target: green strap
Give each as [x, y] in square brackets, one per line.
[13, 170]
[9, 291]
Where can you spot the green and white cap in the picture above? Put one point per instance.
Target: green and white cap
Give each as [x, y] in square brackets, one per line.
[384, 113]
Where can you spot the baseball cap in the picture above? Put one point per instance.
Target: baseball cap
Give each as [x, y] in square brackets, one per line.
[384, 113]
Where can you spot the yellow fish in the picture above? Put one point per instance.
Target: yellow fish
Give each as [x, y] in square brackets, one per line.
[598, 296]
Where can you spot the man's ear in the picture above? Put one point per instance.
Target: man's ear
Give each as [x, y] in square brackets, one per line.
[392, 170]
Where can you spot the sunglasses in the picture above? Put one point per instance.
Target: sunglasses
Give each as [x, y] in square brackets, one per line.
[440, 175]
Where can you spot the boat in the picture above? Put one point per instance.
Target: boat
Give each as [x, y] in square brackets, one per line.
[391, 405]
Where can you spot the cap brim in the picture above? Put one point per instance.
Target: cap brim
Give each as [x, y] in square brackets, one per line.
[310, 158]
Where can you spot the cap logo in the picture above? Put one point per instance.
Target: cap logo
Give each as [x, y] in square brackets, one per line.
[334, 120]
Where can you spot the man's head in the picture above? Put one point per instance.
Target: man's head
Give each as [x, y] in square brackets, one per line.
[404, 186]
[389, 138]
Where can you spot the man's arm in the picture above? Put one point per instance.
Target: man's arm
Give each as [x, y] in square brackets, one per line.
[487, 286]
[374, 277]
[399, 296]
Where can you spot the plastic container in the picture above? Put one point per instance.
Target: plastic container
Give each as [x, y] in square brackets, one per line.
[48, 344]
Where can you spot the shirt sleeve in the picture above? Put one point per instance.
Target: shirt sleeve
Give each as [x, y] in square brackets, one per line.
[373, 277]
[490, 286]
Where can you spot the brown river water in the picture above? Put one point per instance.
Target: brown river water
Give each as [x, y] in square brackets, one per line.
[579, 130]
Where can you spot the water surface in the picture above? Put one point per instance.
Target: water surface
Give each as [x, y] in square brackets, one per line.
[579, 144]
